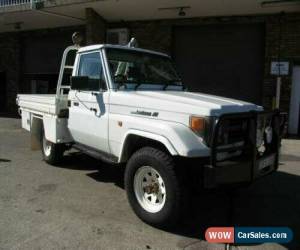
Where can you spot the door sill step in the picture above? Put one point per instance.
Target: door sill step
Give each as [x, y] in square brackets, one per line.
[97, 154]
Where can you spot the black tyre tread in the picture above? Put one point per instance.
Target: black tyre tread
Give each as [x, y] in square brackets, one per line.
[169, 166]
[56, 155]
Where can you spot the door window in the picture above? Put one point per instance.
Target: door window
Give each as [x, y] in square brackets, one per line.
[90, 65]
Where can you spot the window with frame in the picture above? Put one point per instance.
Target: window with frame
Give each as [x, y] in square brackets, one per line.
[90, 65]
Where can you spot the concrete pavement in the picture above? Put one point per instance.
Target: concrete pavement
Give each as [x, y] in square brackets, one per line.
[82, 203]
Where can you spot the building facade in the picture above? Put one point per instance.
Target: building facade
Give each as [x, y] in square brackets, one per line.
[227, 52]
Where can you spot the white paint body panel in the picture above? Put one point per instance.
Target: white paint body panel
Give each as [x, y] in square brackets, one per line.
[45, 108]
[88, 127]
[56, 129]
[49, 104]
[116, 116]
[26, 120]
[171, 126]
[39, 102]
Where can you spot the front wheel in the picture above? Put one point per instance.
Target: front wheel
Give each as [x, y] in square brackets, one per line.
[152, 187]
[52, 152]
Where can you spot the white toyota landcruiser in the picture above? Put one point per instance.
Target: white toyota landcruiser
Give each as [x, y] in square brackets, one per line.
[128, 105]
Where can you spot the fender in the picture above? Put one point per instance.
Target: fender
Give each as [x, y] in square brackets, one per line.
[152, 136]
[56, 129]
[177, 138]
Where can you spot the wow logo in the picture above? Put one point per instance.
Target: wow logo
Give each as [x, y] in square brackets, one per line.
[249, 234]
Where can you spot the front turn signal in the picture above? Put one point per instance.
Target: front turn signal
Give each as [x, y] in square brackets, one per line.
[197, 124]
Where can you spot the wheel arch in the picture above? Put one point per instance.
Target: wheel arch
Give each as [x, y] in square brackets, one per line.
[135, 140]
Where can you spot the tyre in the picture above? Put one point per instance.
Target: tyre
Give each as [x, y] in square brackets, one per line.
[153, 188]
[52, 152]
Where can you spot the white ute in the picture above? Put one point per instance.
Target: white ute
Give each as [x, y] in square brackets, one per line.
[128, 105]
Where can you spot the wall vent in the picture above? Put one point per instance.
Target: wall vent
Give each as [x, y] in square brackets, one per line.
[117, 36]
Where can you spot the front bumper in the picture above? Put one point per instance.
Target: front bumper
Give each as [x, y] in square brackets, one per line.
[250, 164]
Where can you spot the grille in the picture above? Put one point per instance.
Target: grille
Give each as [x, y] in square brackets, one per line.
[233, 131]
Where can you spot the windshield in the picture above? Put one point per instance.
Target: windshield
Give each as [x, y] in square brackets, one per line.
[129, 68]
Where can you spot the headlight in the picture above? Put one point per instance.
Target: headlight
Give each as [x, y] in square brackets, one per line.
[202, 126]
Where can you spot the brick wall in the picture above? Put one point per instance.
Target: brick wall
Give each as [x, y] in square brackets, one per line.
[288, 46]
[158, 35]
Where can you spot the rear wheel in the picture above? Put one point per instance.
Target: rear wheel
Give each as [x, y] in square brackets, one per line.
[153, 188]
[52, 152]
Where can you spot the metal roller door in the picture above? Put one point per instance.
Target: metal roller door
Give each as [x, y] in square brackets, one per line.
[225, 60]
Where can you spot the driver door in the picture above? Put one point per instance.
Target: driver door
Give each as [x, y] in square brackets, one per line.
[88, 112]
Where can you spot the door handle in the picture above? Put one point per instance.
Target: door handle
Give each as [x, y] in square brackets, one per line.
[76, 103]
[93, 109]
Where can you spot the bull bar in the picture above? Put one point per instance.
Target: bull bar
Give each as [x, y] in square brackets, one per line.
[250, 164]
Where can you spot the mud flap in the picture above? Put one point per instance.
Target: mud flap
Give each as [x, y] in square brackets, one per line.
[36, 134]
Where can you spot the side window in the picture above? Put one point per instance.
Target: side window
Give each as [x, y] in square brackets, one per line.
[90, 65]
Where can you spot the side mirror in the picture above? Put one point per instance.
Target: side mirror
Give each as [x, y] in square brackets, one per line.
[79, 82]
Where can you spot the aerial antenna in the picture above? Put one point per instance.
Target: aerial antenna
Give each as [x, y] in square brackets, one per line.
[132, 43]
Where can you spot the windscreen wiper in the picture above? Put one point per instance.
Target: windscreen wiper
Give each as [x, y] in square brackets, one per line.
[137, 85]
[120, 84]
[173, 83]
